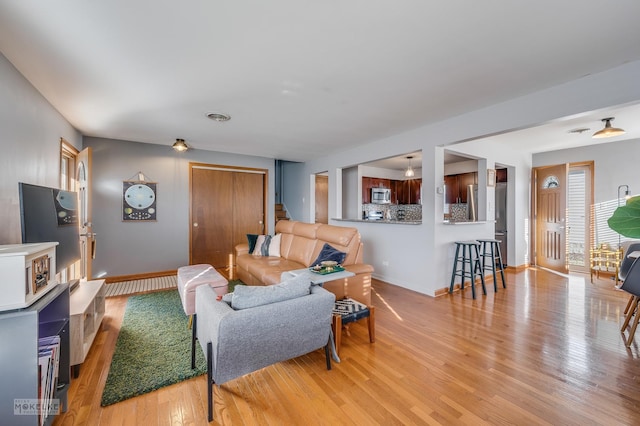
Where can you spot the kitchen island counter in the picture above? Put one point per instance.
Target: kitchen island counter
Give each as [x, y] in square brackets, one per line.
[387, 221]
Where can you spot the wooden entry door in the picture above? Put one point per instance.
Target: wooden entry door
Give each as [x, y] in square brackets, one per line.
[322, 199]
[550, 209]
[226, 204]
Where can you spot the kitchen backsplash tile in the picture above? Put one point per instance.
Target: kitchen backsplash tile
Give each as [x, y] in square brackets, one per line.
[410, 212]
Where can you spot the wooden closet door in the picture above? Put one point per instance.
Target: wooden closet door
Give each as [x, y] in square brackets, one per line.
[211, 216]
[248, 206]
[225, 206]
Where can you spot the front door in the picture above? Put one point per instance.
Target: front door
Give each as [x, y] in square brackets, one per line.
[550, 210]
[226, 204]
[87, 237]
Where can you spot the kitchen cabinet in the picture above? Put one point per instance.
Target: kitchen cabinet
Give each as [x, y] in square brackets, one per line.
[402, 191]
[373, 182]
[409, 191]
[451, 189]
[501, 175]
[456, 186]
[397, 192]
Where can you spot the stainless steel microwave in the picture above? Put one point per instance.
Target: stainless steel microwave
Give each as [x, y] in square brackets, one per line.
[380, 196]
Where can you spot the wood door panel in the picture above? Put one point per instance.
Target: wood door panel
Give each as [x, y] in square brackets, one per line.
[551, 190]
[212, 206]
[226, 205]
[248, 202]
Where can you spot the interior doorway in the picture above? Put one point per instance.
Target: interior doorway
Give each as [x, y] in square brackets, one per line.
[322, 198]
[226, 204]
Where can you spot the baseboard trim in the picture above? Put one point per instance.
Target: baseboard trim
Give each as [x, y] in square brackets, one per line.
[518, 268]
[133, 277]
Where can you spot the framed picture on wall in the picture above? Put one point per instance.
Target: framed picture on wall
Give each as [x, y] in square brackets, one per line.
[491, 177]
[139, 201]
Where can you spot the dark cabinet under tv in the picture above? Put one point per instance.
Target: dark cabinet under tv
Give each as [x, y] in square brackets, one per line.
[20, 330]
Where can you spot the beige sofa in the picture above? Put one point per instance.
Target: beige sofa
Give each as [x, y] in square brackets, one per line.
[299, 247]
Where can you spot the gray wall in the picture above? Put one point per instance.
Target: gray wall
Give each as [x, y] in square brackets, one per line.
[30, 144]
[125, 248]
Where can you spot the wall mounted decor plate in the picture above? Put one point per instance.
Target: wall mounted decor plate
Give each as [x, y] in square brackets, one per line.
[139, 201]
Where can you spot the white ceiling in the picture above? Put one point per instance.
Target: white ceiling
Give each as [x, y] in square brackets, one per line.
[299, 77]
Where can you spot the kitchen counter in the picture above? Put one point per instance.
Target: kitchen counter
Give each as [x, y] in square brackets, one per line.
[467, 222]
[387, 221]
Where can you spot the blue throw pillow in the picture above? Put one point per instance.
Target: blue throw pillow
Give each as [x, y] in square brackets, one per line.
[330, 253]
[252, 238]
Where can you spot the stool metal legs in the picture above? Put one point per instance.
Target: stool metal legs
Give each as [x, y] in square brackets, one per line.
[469, 250]
[454, 272]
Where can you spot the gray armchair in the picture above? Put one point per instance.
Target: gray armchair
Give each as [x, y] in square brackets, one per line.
[239, 341]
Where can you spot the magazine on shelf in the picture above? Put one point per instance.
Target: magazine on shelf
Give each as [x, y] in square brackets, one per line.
[48, 363]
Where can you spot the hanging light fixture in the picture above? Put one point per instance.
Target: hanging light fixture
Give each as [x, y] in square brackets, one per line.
[409, 172]
[180, 145]
[608, 131]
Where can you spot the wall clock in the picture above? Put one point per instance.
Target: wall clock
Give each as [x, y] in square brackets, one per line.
[138, 201]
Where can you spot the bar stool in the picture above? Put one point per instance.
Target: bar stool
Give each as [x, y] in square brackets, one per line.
[469, 248]
[490, 250]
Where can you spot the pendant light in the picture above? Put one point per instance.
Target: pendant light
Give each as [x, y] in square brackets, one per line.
[409, 172]
[608, 131]
[180, 145]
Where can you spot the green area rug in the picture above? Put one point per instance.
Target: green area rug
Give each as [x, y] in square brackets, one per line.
[153, 349]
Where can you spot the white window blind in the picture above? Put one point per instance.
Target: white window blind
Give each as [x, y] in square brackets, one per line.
[576, 218]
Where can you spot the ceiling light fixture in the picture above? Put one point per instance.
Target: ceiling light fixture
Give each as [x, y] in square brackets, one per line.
[219, 117]
[608, 131]
[180, 145]
[409, 172]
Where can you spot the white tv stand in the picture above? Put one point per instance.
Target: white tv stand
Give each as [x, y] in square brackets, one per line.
[86, 312]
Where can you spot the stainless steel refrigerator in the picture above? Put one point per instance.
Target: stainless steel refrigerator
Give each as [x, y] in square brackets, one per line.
[501, 219]
[472, 202]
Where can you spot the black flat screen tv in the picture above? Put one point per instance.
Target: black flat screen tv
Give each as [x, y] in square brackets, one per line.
[50, 214]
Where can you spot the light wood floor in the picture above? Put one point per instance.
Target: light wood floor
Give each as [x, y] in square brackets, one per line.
[546, 350]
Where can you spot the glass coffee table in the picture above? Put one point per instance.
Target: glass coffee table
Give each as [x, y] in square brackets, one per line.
[317, 279]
